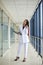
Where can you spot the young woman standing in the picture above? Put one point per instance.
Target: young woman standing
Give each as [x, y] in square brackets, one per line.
[24, 30]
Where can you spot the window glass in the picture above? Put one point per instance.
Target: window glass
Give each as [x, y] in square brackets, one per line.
[5, 32]
[12, 34]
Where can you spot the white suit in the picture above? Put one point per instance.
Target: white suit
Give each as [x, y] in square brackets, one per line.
[23, 40]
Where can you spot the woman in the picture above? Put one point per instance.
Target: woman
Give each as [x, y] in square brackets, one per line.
[24, 30]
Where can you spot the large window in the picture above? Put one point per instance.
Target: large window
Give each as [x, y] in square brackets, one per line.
[0, 32]
[32, 30]
[41, 30]
[36, 28]
[7, 35]
[5, 32]
[37, 32]
[35, 25]
[12, 34]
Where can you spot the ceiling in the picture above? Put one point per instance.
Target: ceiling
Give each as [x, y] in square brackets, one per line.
[20, 9]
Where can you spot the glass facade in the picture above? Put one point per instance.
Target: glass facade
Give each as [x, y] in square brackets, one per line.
[12, 34]
[5, 32]
[7, 36]
[0, 32]
[35, 25]
[36, 29]
[37, 32]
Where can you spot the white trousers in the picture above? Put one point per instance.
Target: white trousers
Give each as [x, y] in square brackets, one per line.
[25, 49]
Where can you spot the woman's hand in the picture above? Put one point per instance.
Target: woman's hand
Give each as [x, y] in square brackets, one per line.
[19, 33]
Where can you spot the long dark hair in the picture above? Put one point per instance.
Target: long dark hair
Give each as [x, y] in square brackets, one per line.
[27, 23]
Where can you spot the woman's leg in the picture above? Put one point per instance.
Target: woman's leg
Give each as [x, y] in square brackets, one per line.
[19, 51]
[25, 51]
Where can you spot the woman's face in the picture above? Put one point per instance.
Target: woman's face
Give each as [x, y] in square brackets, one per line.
[24, 23]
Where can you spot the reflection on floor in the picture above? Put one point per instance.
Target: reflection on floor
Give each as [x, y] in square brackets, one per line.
[33, 57]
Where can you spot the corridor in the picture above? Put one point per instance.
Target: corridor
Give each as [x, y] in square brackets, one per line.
[33, 57]
[21, 18]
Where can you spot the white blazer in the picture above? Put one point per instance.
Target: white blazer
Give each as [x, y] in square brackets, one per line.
[25, 35]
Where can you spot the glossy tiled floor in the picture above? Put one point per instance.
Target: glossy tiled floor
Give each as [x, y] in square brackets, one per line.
[8, 58]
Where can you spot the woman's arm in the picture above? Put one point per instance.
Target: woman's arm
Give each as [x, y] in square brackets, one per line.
[28, 31]
[17, 32]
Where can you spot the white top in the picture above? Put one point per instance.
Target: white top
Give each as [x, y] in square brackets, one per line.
[25, 35]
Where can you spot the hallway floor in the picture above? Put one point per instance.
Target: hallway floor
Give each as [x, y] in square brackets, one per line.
[8, 58]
